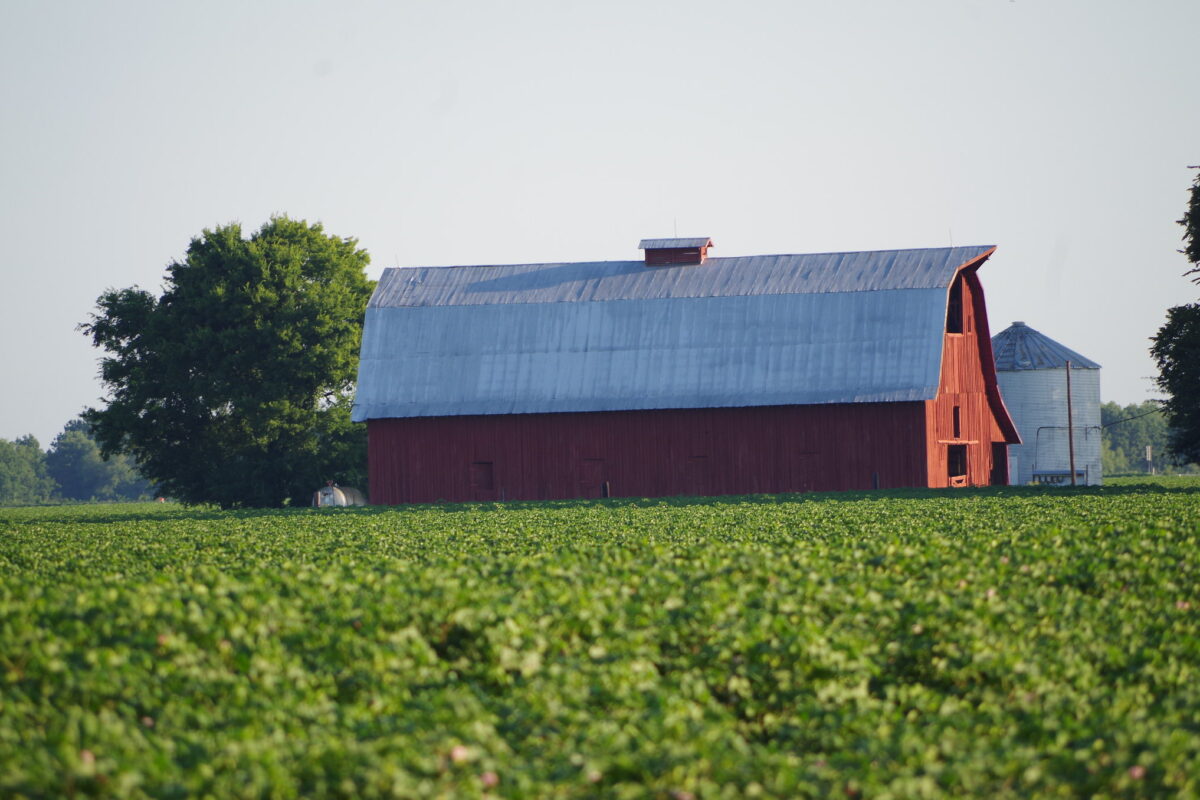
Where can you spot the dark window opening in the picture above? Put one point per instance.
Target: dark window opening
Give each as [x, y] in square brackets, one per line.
[957, 422]
[481, 476]
[999, 464]
[954, 311]
[956, 462]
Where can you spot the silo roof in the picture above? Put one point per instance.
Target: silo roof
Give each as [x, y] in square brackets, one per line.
[618, 335]
[1020, 347]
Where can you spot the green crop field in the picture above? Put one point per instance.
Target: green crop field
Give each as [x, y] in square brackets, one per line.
[980, 643]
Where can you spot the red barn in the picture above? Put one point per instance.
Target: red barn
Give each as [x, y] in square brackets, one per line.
[682, 374]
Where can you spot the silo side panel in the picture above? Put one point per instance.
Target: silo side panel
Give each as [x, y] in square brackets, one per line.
[1037, 400]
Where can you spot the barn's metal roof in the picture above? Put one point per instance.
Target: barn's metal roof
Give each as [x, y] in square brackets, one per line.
[604, 336]
[632, 280]
[659, 244]
[1021, 347]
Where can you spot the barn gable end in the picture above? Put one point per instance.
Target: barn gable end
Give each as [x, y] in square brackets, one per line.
[969, 427]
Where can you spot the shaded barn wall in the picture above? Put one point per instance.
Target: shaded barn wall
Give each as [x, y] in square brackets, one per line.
[968, 383]
[659, 453]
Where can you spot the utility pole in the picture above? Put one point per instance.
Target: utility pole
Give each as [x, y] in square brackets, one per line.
[1070, 426]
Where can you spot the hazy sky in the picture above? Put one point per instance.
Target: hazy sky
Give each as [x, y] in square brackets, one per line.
[500, 132]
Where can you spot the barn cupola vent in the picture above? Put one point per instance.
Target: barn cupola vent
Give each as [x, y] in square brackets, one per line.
[675, 252]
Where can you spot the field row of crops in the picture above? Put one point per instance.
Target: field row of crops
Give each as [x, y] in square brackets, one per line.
[1006, 643]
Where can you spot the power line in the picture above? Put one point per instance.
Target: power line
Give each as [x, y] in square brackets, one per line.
[1135, 416]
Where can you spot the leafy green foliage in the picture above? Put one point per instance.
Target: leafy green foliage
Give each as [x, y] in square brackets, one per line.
[1007, 642]
[1191, 228]
[1128, 431]
[1177, 352]
[76, 465]
[234, 386]
[23, 476]
[1176, 348]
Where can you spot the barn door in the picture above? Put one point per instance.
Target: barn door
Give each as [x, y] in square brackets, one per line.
[483, 481]
[956, 465]
[999, 464]
[591, 477]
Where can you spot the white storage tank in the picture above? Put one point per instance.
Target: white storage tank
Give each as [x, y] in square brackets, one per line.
[1031, 369]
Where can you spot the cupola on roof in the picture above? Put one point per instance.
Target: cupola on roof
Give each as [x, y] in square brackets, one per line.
[675, 252]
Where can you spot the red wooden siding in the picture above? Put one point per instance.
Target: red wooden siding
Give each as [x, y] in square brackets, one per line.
[968, 383]
[708, 451]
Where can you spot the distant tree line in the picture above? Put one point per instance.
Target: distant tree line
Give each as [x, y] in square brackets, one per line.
[72, 469]
[1129, 430]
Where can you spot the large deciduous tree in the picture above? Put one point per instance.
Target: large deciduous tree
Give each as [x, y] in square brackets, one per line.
[234, 386]
[1177, 348]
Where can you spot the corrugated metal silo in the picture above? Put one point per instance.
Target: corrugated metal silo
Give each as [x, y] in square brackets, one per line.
[1031, 369]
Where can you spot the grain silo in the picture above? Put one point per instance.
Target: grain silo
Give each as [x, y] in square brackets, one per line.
[1031, 369]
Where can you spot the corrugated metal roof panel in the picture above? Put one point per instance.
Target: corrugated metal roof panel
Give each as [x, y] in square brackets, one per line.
[631, 280]
[1021, 347]
[716, 351]
[661, 244]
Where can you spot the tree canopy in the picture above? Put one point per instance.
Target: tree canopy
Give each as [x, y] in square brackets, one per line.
[1176, 348]
[234, 386]
[72, 469]
[23, 475]
[75, 463]
[1128, 431]
[1191, 229]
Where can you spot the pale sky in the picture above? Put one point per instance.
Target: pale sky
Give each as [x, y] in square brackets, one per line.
[523, 132]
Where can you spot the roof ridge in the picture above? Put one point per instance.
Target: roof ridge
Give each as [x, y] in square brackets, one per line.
[978, 247]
